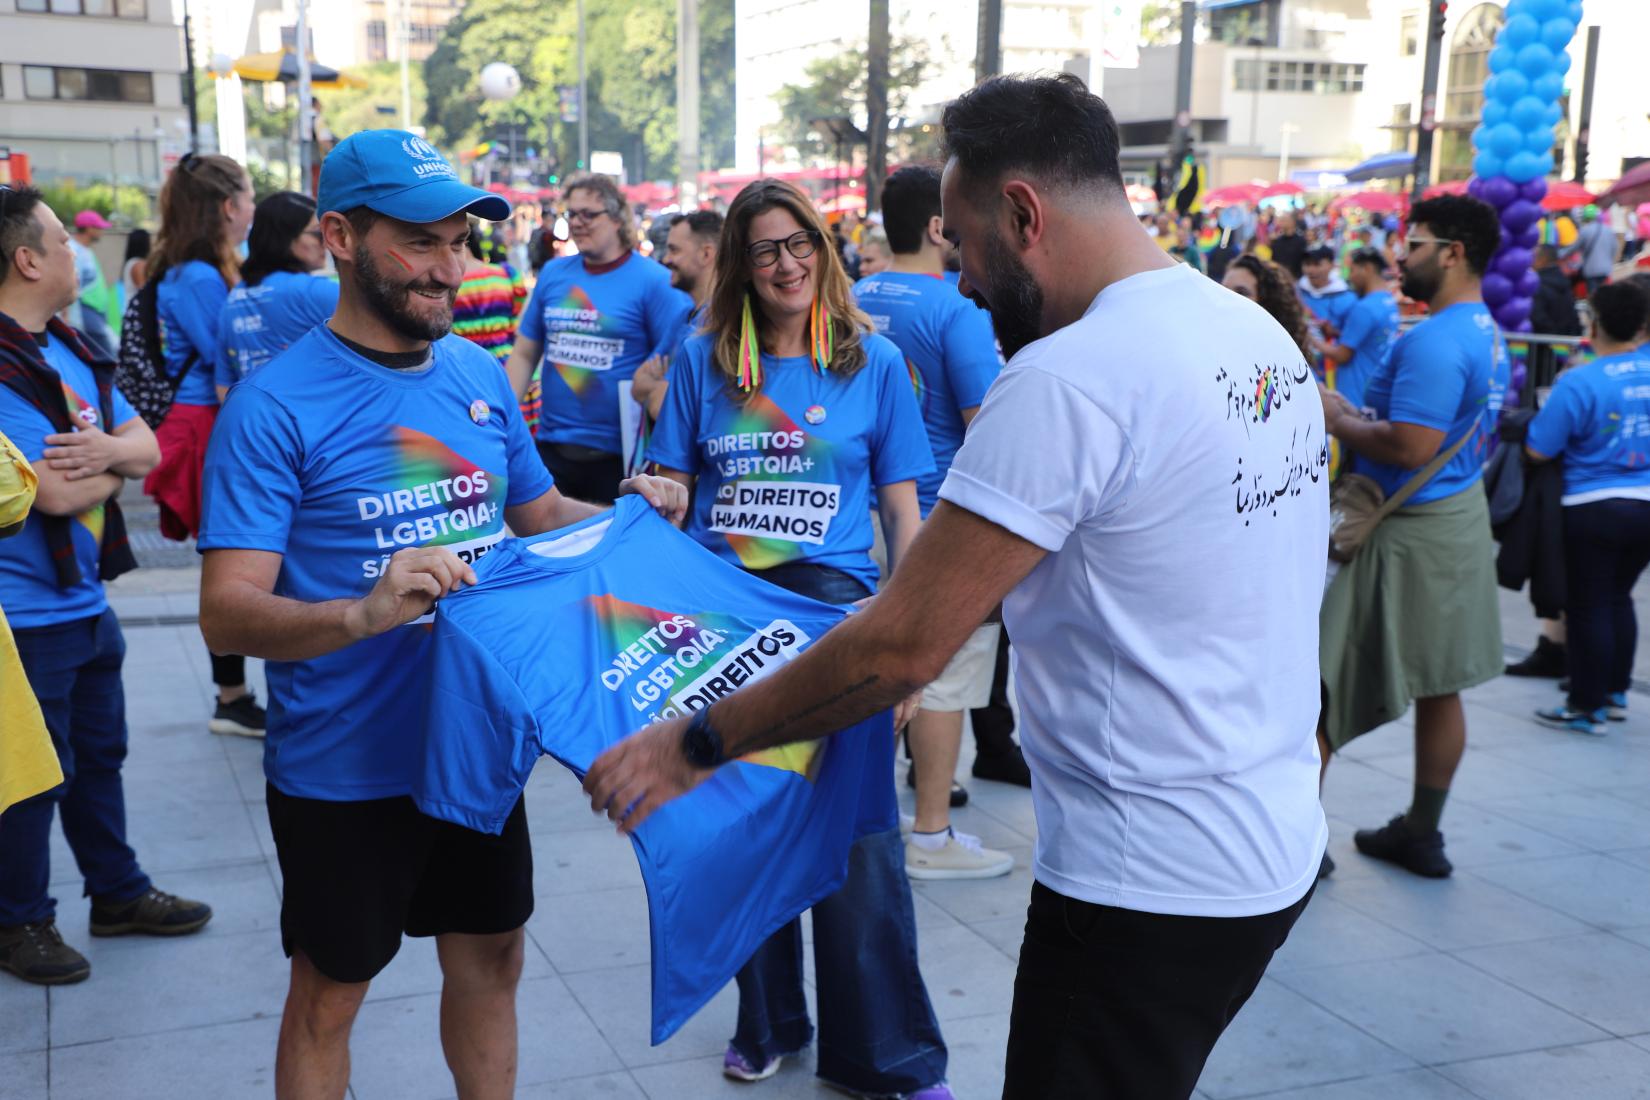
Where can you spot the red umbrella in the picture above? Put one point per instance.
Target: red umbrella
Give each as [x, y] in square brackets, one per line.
[1375, 202]
[1286, 187]
[1452, 187]
[1236, 194]
[1631, 189]
[1564, 195]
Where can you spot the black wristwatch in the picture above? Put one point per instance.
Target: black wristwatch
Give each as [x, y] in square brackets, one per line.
[700, 744]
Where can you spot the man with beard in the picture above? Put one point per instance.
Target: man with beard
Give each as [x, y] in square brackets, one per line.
[350, 483]
[690, 257]
[1147, 497]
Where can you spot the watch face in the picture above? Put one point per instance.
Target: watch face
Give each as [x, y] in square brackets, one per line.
[698, 746]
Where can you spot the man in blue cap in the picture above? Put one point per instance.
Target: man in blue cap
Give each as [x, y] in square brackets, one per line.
[351, 483]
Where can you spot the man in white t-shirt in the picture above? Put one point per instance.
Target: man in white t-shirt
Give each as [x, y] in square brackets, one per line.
[1145, 488]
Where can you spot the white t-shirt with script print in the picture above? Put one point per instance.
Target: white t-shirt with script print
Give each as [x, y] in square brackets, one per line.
[1168, 451]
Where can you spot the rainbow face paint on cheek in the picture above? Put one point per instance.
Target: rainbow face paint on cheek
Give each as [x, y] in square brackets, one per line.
[396, 256]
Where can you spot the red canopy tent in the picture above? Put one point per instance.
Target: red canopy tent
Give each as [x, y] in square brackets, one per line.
[1450, 187]
[1375, 202]
[1631, 189]
[1564, 195]
[1235, 194]
[1283, 187]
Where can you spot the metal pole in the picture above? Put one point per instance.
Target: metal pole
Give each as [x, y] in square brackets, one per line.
[584, 107]
[1182, 141]
[687, 104]
[876, 105]
[406, 73]
[189, 82]
[1428, 121]
[1584, 132]
[988, 42]
[306, 117]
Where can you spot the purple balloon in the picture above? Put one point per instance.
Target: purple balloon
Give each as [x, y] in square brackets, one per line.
[1499, 191]
[1519, 215]
[1513, 262]
[1475, 187]
[1513, 312]
[1520, 373]
[1527, 239]
[1533, 191]
[1528, 284]
[1497, 289]
[1525, 326]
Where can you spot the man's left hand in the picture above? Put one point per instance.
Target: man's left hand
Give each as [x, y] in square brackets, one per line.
[641, 773]
[82, 454]
[669, 498]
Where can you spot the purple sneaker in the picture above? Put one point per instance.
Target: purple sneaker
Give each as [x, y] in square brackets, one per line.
[735, 1066]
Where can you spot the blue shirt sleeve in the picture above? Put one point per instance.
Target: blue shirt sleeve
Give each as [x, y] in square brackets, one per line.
[1360, 323]
[1560, 418]
[25, 425]
[667, 309]
[320, 299]
[532, 319]
[899, 447]
[674, 444]
[1428, 381]
[251, 485]
[970, 355]
[122, 408]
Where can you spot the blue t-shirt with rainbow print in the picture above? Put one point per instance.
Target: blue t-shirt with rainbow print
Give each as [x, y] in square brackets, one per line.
[336, 462]
[787, 475]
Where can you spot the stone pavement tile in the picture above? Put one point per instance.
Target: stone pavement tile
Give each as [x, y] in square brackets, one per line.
[605, 1086]
[395, 1049]
[1597, 1071]
[581, 860]
[701, 1078]
[1437, 1009]
[1599, 977]
[228, 1061]
[555, 803]
[164, 985]
[23, 1076]
[1007, 803]
[1448, 914]
[1476, 837]
[1577, 760]
[619, 1001]
[246, 763]
[1636, 935]
[242, 897]
[187, 815]
[970, 900]
[1641, 1041]
[1330, 933]
[1005, 934]
[992, 830]
[977, 1047]
[416, 969]
[1356, 791]
[593, 930]
[1486, 775]
[965, 974]
[23, 1015]
[1599, 889]
[1593, 820]
[1282, 1040]
[1409, 1084]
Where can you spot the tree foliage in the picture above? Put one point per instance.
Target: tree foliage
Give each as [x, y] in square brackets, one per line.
[834, 86]
[630, 61]
[346, 110]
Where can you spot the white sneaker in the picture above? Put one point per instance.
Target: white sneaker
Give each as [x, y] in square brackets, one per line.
[906, 824]
[962, 857]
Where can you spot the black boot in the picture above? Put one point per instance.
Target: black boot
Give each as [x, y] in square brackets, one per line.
[1549, 660]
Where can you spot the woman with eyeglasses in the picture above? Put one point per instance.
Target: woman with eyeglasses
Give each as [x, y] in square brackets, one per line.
[784, 413]
[205, 211]
[280, 298]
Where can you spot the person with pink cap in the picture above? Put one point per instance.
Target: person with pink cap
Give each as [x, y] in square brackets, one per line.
[89, 313]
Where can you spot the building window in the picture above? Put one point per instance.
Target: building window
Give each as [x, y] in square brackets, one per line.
[1311, 77]
[1409, 34]
[377, 40]
[98, 85]
[1469, 55]
[121, 9]
[424, 34]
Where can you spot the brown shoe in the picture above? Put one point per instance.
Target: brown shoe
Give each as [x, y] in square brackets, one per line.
[36, 953]
[154, 913]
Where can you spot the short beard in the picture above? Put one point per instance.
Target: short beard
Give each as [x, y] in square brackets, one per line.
[389, 301]
[1420, 284]
[1016, 304]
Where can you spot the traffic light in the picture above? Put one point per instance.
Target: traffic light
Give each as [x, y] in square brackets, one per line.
[554, 179]
[1440, 13]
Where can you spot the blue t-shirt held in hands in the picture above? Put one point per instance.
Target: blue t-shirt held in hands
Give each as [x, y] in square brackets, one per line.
[188, 302]
[335, 463]
[1598, 419]
[787, 475]
[259, 322]
[950, 349]
[1449, 373]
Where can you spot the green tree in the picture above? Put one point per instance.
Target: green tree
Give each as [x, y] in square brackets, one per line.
[346, 110]
[836, 86]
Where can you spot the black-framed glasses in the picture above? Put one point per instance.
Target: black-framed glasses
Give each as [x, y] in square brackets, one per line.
[801, 244]
[585, 215]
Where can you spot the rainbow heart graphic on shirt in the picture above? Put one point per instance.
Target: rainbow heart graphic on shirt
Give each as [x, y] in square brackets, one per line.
[578, 342]
[434, 497]
[784, 483]
[81, 413]
[665, 664]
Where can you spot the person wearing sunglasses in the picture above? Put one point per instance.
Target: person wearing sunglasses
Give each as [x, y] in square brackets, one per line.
[1414, 617]
[594, 317]
[280, 298]
[783, 414]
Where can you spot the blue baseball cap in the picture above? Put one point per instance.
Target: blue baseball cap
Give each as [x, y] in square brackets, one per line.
[400, 175]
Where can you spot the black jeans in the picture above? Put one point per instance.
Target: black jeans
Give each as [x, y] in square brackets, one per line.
[1606, 547]
[583, 474]
[1114, 1004]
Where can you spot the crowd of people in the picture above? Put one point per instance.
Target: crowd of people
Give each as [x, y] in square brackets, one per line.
[939, 417]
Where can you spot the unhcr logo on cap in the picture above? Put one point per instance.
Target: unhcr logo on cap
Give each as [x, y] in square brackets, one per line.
[428, 163]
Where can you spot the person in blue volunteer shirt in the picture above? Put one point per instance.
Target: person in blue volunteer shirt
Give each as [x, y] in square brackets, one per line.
[351, 482]
[1367, 329]
[279, 298]
[1415, 616]
[951, 353]
[593, 318]
[1598, 420]
[205, 210]
[1323, 292]
[59, 406]
[782, 416]
[690, 257]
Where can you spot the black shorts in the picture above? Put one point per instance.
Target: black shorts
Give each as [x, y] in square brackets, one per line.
[357, 875]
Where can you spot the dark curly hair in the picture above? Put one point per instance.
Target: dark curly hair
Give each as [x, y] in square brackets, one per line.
[1275, 293]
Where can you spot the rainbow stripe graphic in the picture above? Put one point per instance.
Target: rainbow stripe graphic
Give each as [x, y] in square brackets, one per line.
[1266, 395]
[762, 415]
[422, 459]
[92, 518]
[580, 380]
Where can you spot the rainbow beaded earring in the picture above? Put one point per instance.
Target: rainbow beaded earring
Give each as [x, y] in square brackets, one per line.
[750, 350]
[821, 342]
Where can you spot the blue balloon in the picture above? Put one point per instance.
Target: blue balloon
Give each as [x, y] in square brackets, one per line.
[1554, 113]
[1544, 10]
[1480, 137]
[1523, 167]
[1504, 140]
[1546, 166]
[1528, 113]
[1539, 140]
[1575, 12]
[1561, 62]
[1520, 31]
[1495, 112]
[1503, 58]
[1556, 33]
[1535, 60]
[1549, 86]
[1488, 165]
[1511, 86]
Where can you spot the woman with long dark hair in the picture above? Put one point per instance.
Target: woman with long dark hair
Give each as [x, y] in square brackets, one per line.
[205, 211]
[1268, 285]
[787, 410]
[280, 298]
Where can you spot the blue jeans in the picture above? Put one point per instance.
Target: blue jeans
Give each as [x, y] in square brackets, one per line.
[877, 1032]
[74, 669]
[1606, 547]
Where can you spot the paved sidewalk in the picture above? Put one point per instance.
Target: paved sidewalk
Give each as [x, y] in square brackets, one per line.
[1523, 976]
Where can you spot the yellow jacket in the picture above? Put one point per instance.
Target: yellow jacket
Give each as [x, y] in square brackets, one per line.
[28, 762]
